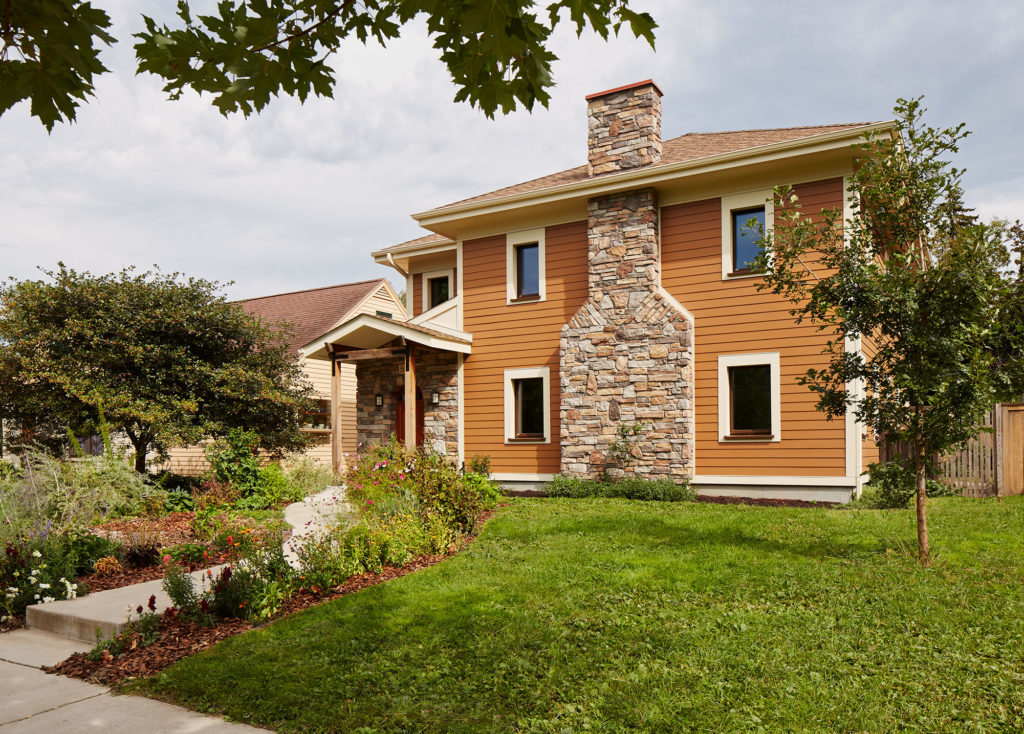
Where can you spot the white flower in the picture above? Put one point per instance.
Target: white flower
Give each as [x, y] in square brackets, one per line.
[48, 599]
[36, 554]
[36, 597]
[44, 586]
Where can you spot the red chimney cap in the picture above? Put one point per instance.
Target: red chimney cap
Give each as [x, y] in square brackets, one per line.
[634, 85]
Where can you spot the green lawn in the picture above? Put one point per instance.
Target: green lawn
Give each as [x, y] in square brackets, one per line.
[611, 615]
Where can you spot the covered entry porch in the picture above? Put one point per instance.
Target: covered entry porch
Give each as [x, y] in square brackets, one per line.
[407, 382]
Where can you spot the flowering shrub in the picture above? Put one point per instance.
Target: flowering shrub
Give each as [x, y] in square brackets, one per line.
[254, 586]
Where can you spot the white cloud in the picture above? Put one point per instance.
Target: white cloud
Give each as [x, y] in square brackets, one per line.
[298, 196]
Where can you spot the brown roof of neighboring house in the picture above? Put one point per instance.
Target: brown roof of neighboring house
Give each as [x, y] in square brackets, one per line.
[311, 312]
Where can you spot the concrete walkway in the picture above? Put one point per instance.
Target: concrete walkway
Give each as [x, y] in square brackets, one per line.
[315, 515]
[33, 701]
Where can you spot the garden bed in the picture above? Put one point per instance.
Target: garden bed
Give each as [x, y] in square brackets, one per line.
[179, 638]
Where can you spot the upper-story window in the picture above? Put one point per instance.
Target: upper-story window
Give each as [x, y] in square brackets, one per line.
[747, 225]
[437, 288]
[525, 266]
[527, 271]
[746, 218]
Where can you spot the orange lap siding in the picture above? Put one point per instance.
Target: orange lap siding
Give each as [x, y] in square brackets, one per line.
[733, 317]
[524, 335]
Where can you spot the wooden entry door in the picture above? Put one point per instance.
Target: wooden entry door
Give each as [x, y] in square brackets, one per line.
[400, 426]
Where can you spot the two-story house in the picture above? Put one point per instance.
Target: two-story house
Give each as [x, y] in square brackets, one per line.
[546, 314]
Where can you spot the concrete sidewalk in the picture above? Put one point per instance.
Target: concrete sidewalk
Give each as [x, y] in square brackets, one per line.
[33, 701]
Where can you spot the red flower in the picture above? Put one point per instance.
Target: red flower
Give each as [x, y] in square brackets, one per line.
[231, 540]
[139, 609]
[152, 603]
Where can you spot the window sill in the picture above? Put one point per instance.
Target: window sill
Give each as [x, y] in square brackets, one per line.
[527, 439]
[749, 437]
[525, 299]
[737, 274]
[315, 430]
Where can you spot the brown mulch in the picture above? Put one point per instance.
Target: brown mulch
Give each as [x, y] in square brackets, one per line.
[127, 576]
[762, 502]
[180, 638]
[172, 529]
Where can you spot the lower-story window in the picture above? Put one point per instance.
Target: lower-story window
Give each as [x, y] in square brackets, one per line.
[319, 418]
[527, 405]
[749, 397]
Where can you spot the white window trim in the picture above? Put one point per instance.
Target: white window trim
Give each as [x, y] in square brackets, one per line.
[510, 402]
[725, 361]
[427, 276]
[524, 237]
[746, 200]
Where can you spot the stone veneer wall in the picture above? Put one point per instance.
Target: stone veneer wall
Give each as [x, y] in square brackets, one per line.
[624, 129]
[626, 355]
[387, 376]
[384, 376]
[440, 371]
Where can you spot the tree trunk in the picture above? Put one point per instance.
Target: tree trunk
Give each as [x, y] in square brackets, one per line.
[141, 445]
[920, 475]
[140, 459]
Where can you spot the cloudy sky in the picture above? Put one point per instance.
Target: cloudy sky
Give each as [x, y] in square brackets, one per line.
[299, 196]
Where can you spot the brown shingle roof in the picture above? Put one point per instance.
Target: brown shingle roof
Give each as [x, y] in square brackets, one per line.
[311, 312]
[689, 147]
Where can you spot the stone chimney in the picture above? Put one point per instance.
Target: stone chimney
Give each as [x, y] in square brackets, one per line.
[624, 128]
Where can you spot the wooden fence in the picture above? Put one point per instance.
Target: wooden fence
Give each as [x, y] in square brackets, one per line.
[989, 465]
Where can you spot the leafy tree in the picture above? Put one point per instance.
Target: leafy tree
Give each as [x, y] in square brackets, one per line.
[162, 358]
[251, 50]
[919, 276]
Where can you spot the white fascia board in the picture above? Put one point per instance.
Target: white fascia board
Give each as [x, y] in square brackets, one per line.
[651, 175]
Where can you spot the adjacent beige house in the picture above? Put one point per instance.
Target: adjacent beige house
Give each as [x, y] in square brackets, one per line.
[309, 314]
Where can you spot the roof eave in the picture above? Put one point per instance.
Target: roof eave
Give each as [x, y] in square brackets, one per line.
[650, 175]
[427, 248]
[317, 349]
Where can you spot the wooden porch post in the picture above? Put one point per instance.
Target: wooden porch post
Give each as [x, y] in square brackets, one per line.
[336, 452]
[410, 398]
